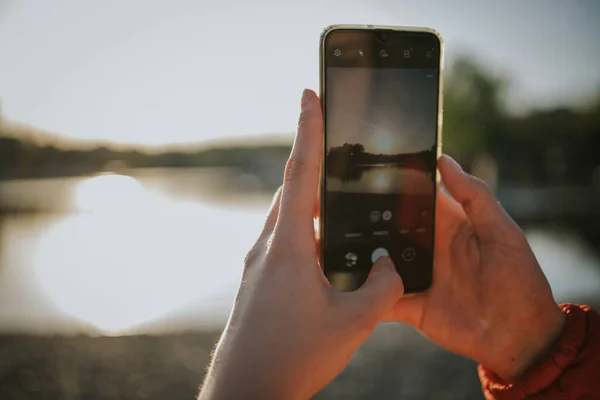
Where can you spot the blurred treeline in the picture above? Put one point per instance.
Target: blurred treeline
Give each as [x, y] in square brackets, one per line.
[21, 159]
[546, 147]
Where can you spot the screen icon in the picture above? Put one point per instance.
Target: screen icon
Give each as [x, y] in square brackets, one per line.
[383, 53]
[351, 259]
[428, 54]
[407, 53]
[337, 52]
[375, 216]
[360, 53]
[409, 254]
[387, 215]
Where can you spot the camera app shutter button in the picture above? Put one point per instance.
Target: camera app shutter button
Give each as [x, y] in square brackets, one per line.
[379, 252]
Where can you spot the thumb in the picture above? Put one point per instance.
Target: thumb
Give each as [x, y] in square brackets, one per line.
[481, 207]
[383, 287]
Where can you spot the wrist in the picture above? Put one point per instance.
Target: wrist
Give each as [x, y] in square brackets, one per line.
[527, 346]
[571, 349]
[239, 370]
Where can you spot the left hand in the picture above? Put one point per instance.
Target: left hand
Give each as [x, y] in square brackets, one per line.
[490, 300]
[290, 333]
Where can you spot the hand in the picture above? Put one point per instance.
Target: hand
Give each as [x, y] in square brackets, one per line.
[289, 333]
[489, 301]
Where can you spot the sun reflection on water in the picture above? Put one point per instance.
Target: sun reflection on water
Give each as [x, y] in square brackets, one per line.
[145, 257]
[110, 192]
[381, 181]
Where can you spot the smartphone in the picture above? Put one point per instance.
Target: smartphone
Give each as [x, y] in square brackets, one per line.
[381, 93]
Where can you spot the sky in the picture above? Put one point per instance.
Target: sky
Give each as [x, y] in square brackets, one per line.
[386, 110]
[161, 72]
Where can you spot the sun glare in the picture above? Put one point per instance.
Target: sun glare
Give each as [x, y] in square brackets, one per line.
[382, 142]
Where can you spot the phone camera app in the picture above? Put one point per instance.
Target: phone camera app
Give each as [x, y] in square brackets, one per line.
[380, 159]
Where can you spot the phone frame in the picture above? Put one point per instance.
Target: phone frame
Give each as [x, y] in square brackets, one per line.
[332, 28]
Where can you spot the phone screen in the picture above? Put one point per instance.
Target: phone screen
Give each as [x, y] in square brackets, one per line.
[381, 91]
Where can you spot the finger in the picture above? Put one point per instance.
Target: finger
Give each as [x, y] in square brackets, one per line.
[301, 176]
[481, 207]
[383, 287]
[271, 216]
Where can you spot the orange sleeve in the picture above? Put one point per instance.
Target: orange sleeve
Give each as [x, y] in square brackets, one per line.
[571, 370]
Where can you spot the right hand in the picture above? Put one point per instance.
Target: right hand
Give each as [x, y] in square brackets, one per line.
[489, 301]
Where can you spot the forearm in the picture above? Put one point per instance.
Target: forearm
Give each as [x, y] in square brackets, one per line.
[569, 370]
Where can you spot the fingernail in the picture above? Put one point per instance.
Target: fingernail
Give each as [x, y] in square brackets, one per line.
[305, 103]
[452, 161]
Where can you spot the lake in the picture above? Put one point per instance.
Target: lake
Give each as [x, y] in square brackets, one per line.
[383, 180]
[160, 250]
